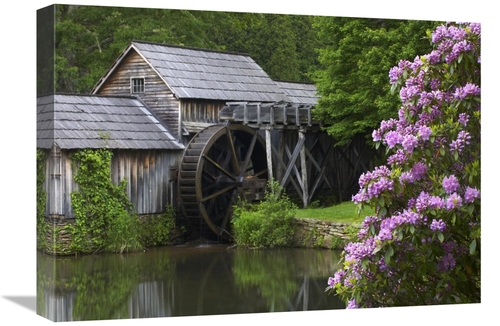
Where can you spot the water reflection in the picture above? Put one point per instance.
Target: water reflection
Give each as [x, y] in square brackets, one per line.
[184, 281]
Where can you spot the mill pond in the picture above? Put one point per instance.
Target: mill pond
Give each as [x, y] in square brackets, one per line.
[189, 280]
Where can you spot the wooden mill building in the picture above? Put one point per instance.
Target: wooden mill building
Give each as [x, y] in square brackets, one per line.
[187, 87]
[155, 98]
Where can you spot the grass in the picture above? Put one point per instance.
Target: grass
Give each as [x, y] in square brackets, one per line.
[344, 212]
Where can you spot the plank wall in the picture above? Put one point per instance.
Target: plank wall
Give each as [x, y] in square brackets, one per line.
[149, 184]
[157, 95]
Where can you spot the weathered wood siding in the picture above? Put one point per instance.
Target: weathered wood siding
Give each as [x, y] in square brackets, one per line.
[205, 111]
[157, 95]
[147, 172]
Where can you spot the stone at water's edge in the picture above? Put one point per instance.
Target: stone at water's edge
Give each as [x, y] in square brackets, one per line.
[320, 234]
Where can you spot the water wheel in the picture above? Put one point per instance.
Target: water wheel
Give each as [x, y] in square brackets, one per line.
[219, 164]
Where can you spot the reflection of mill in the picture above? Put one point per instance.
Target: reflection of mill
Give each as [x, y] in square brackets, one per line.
[185, 281]
[307, 297]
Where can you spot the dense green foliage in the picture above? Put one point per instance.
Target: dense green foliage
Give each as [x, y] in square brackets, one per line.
[103, 212]
[41, 198]
[104, 215]
[268, 224]
[352, 80]
[155, 230]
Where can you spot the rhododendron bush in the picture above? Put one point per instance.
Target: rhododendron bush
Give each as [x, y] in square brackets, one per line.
[423, 246]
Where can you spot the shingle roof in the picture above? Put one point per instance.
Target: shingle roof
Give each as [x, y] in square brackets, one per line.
[93, 121]
[299, 93]
[208, 74]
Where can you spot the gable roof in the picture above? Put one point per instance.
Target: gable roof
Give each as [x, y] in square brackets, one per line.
[93, 121]
[193, 73]
[299, 93]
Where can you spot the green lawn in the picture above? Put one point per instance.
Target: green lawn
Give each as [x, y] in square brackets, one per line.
[344, 212]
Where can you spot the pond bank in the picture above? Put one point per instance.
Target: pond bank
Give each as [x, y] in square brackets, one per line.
[309, 233]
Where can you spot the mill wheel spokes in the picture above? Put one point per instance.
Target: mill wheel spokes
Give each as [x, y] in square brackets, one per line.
[214, 171]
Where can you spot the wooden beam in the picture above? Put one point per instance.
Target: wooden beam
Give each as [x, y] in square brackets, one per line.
[293, 158]
[297, 115]
[234, 157]
[322, 173]
[244, 167]
[282, 181]
[318, 167]
[305, 190]
[269, 155]
[245, 114]
[259, 121]
[298, 176]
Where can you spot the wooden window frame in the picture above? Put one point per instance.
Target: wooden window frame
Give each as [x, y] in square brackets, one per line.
[139, 88]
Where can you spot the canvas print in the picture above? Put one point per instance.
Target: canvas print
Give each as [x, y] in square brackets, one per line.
[194, 163]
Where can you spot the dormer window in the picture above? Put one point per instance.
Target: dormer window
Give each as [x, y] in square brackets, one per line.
[137, 85]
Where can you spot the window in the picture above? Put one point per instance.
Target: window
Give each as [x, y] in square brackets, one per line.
[137, 85]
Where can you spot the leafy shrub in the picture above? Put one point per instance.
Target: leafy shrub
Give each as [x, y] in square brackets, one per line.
[123, 232]
[155, 231]
[41, 199]
[103, 212]
[269, 223]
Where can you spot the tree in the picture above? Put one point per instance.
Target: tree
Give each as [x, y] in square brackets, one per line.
[90, 38]
[283, 45]
[423, 246]
[355, 55]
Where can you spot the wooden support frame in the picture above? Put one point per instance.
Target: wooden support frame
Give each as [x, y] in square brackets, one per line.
[295, 163]
[302, 156]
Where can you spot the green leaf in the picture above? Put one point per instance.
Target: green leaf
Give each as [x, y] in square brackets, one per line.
[440, 236]
[472, 247]
[393, 88]
[388, 255]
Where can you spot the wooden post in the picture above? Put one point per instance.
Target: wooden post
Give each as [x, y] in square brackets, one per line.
[303, 165]
[259, 119]
[245, 114]
[297, 114]
[281, 153]
[269, 155]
